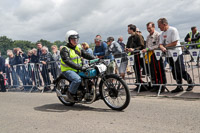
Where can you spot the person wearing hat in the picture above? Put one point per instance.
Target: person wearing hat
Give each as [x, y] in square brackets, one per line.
[115, 51]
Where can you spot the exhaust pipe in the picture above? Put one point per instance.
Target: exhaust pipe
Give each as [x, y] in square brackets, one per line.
[59, 94]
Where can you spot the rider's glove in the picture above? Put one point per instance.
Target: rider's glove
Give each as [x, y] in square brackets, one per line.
[84, 68]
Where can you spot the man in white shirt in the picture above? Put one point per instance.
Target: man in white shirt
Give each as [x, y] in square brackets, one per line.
[170, 38]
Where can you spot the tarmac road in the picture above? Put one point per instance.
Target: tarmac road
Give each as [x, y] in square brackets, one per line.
[43, 113]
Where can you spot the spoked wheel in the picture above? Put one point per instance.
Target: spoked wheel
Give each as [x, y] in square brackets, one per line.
[62, 85]
[114, 92]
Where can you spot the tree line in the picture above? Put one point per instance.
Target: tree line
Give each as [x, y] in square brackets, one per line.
[7, 43]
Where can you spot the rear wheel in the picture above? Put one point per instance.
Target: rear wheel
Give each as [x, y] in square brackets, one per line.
[114, 92]
[62, 86]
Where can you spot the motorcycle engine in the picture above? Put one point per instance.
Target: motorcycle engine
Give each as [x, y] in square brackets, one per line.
[80, 93]
[90, 92]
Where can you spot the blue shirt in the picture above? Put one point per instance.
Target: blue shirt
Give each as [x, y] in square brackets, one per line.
[100, 50]
[89, 50]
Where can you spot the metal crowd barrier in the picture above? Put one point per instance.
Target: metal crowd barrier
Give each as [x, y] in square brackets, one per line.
[137, 72]
[146, 70]
[156, 66]
[191, 69]
[32, 76]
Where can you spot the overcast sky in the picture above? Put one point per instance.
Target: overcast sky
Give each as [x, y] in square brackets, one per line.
[50, 19]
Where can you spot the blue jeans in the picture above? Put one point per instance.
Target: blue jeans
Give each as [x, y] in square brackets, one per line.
[15, 78]
[21, 72]
[75, 80]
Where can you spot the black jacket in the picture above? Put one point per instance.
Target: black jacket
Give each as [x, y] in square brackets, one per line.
[39, 53]
[12, 61]
[20, 59]
[46, 57]
[2, 64]
[135, 42]
[34, 59]
[64, 53]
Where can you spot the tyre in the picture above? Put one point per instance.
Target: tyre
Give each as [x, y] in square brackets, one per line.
[115, 92]
[62, 86]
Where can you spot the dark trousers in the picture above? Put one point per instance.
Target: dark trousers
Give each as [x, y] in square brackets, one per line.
[36, 76]
[158, 75]
[138, 65]
[29, 75]
[45, 75]
[8, 75]
[21, 72]
[14, 78]
[54, 70]
[2, 83]
[178, 70]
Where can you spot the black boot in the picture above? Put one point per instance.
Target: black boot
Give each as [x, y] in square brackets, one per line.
[197, 62]
[190, 87]
[154, 89]
[163, 89]
[70, 97]
[178, 89]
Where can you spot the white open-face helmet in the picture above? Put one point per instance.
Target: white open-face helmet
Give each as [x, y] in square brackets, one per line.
[71, 34]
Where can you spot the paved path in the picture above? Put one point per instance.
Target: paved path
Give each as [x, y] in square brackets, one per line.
[43, 113]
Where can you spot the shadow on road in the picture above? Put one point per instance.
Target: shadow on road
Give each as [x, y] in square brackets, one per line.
[77, 107]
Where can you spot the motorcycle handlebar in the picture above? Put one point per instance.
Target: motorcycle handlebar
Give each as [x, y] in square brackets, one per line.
[93, 61]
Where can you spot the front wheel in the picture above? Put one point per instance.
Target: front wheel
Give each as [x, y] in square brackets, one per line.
[115, 92]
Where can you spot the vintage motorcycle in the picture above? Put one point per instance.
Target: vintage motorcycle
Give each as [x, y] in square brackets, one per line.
[111, 88]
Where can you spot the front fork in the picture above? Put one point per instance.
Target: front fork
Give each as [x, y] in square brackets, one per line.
[110, 85]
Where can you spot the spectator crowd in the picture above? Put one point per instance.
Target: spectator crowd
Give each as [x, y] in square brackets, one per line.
[18, 65]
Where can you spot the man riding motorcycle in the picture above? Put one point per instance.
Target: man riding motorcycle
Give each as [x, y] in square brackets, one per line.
[71, 62]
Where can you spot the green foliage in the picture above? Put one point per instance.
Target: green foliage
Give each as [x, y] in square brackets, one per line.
[24, 45]
[7, 43]
[92, 45]
[59, 43]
